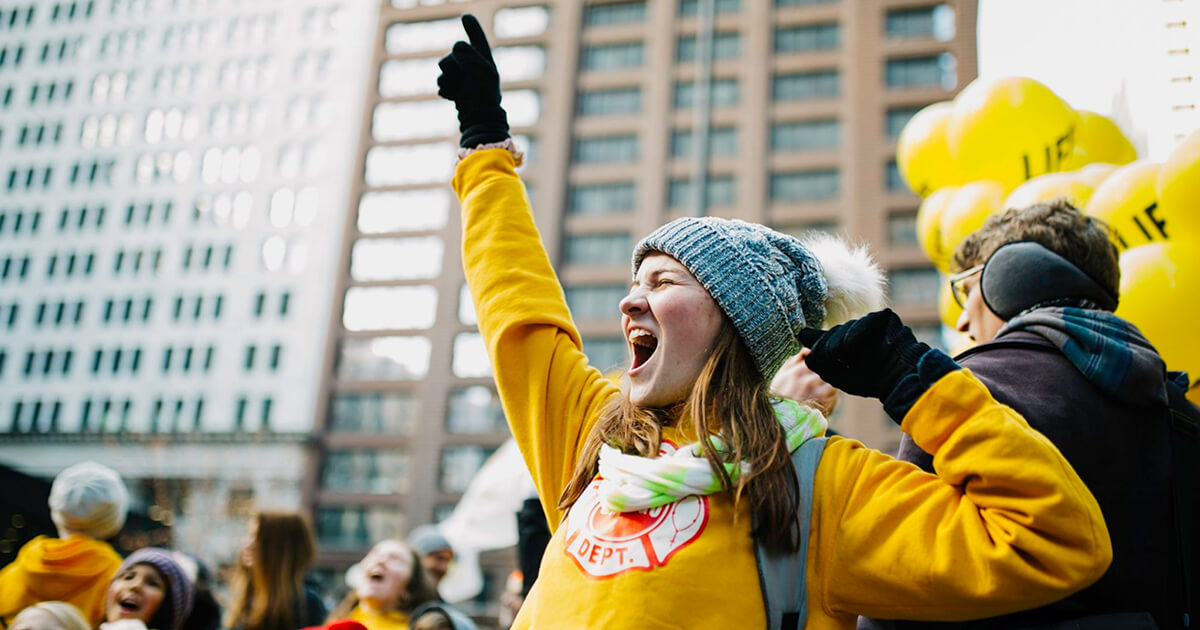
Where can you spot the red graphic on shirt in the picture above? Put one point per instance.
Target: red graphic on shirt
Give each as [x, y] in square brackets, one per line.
[605, 544]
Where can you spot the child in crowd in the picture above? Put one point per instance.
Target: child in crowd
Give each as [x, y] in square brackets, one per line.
[88, 502]
[150, 591]
[390, 583]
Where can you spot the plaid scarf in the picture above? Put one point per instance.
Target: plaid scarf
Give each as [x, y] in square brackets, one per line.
[1109, 351]
[630, 483]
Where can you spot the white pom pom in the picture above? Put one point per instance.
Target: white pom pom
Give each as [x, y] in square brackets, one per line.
[855, 281]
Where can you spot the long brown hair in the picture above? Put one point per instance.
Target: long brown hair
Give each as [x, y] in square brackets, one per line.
[420, 589]
[729, 400]
[268, 594]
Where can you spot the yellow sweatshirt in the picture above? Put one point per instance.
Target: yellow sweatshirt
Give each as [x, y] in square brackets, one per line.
[76, 570]
[1006, 524]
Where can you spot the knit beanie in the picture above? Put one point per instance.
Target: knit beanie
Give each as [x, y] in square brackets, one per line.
[426, 539]
[770, 285]
[179, 586]
[89, 499]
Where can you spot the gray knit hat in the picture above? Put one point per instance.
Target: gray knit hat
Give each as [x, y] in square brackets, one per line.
[179, 586]
[90, 499]
[770, 285]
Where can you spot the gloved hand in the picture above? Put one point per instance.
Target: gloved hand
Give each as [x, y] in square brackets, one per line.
[877, 356]
[469, 78]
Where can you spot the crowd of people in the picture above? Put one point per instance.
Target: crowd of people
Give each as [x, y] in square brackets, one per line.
[77, 580]
[1045, 479]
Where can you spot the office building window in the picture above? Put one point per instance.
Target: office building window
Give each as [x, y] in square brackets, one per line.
[613, 56]
[626, 100]
[614, 13]
[721, 141]
[915, 286]
[935, 22]
[800, 3]
[724, 46]
[896, 118]
[721, 190]
[892, 178]
[598, 250]
[475, 410]
[902, 228]
[459, 464]
[809, 37]
[606, 149]
[394, 358]
[389, 308]
[521, 21]
[367, 471]
[936, 71]
[806, 135]
[723, 92]
[596, 302]
[816, 185]
[392, 413]
[689, 8]
[356, 527]
[606, 198]
[805, 86]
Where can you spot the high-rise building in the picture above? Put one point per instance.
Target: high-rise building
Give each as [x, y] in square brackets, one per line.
[807, 98]
[173, 177]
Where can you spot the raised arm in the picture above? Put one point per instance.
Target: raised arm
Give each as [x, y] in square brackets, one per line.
[551, 395]
[1005, 525]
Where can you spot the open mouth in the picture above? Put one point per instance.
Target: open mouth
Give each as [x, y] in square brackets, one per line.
[129, 605]
[644, 344]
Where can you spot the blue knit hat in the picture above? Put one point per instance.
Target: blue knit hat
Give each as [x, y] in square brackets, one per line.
[770, 285]
[179, 585]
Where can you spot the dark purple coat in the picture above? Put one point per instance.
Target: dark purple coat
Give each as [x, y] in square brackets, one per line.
[1121, 450]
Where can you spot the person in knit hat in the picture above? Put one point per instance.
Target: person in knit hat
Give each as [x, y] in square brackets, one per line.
[435, 551]
[663, 491]
[88, 504]
[150, 590]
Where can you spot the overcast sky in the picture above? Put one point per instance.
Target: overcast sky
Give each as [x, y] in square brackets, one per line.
[1103, 55]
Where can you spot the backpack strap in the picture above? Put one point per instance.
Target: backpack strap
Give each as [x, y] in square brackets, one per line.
[1185, 431]
[782, 575]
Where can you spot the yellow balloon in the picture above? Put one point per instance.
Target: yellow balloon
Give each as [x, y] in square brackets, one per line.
[1098, 137]
[971, 205]
[1094, 174]
[1178, 189]
[1051, 186]
[921, 152]
[929, 226]
[1160, 294]
[1010, 130]
[948, 309]
[1127, 202]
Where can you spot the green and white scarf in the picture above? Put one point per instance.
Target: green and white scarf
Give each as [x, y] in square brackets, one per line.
[630, 483]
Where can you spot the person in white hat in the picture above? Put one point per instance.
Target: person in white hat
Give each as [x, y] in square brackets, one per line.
[88, 504]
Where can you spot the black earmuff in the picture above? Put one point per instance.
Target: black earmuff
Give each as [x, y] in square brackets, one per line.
[1021, 275]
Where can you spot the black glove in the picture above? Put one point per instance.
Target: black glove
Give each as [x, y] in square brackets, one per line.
[469, 78]
[877, 356]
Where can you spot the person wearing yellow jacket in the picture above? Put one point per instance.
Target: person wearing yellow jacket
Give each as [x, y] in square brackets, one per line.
[658, 491]
[88, 503]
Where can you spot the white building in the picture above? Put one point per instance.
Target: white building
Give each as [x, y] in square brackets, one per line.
[173, 181]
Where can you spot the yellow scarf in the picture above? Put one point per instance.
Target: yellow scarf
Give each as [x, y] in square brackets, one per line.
[386, 620]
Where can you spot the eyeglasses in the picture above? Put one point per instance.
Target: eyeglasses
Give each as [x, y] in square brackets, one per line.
[957, 281]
